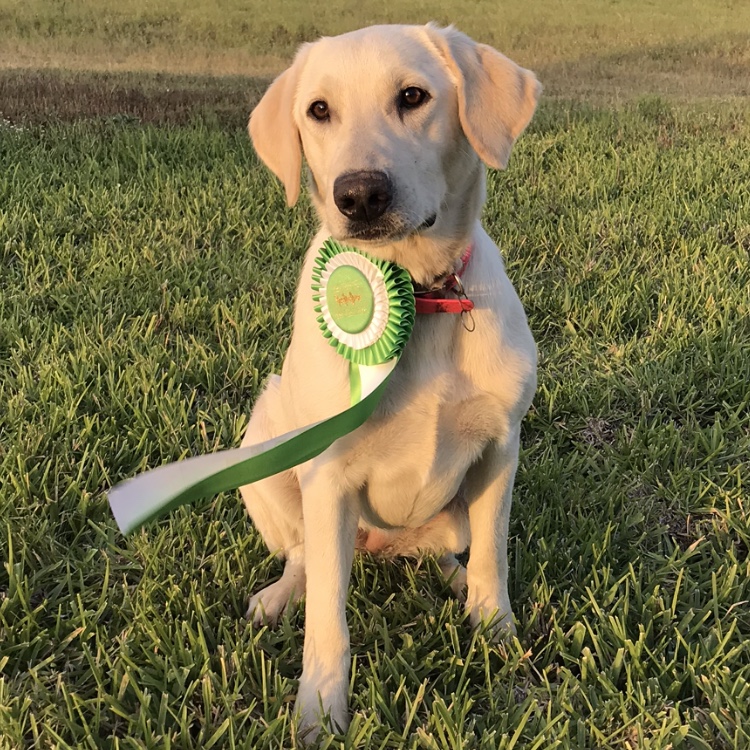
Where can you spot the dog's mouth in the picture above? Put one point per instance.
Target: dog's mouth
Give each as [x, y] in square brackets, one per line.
[390, 230]
[371, 233]
[427, 223]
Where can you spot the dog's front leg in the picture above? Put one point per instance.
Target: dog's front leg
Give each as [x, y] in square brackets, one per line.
[330, 520]
[489, 486]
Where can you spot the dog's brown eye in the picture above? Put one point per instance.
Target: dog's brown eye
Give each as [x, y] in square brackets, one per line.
[319, 110]
[412, 97]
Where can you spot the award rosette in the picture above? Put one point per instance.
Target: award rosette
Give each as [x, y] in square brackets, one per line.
[365, 308]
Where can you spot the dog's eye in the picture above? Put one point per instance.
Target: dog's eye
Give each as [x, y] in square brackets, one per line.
[319, 110]
[412, 97]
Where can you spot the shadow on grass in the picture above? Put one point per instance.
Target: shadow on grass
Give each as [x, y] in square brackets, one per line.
[39, 96]
[715, 68]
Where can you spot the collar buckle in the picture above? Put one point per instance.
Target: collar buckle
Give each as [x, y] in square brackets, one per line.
[434, 299]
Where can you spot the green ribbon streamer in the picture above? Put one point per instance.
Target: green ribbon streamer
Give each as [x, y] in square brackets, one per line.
[137, 501]
[355, 383]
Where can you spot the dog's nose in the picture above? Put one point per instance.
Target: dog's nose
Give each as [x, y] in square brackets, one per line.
[362, 196]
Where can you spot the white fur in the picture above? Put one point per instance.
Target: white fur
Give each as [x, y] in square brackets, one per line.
[433, 469]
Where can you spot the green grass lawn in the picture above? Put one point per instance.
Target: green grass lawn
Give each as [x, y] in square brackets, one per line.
[147, 271]
[146, 281]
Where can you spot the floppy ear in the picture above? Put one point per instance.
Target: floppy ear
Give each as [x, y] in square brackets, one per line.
[274, 133]
[496, 97]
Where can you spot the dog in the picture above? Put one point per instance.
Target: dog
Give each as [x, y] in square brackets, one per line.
[396, 125]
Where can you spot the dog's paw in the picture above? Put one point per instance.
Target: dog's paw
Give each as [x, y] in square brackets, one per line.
[269, 603]
[321, 707]
[496, 618]
[455, 576]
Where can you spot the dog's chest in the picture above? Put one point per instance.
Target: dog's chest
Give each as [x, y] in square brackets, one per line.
[411, 458]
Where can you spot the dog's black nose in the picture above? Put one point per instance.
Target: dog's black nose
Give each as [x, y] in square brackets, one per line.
[362, 196]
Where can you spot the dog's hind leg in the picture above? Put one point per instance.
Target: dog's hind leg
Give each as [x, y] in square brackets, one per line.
[270, 602]
[454, 574]
[275, 506]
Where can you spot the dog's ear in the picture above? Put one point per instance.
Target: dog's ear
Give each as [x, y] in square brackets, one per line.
[496, 97]
[274, 132]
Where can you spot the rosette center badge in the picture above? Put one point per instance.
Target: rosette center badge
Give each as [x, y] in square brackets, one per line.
[350, 299]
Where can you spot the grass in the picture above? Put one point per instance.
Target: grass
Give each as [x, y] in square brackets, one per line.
[603, 48]
[147, 270]
[146, 279]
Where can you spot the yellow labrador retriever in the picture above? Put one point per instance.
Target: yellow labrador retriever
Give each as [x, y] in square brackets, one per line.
[396, 124]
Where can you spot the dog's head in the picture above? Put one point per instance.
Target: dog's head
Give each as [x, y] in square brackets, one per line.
[393, 122]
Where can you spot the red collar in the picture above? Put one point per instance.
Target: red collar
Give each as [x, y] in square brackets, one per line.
[434, 300]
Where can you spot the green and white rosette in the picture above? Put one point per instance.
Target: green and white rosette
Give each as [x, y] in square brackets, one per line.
[365, 309]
